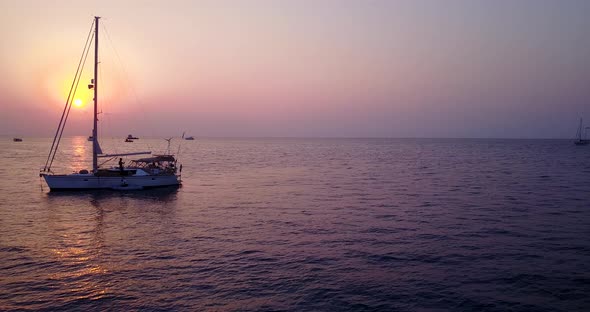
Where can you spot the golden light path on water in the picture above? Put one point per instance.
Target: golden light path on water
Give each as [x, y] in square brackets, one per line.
[78, 250]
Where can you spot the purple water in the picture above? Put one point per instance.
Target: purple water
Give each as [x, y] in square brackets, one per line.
[305, 225]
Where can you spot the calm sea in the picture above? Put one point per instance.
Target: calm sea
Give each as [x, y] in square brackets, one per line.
[305, 225]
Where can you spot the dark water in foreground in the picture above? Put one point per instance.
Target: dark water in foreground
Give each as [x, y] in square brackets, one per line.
[306, 225]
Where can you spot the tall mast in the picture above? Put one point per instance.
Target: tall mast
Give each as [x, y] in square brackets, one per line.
[579, 133]
[95, 129]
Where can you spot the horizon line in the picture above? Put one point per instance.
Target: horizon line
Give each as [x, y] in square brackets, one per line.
[313, 137]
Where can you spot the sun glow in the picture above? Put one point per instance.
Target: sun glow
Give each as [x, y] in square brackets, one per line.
[78, 103]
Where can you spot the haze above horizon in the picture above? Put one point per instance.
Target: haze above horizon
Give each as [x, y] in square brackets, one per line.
[457, 69]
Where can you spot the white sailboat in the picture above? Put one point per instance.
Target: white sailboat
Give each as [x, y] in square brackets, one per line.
[581, 140]
[148, 172]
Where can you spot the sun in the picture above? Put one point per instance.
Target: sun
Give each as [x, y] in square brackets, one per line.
[78, 103]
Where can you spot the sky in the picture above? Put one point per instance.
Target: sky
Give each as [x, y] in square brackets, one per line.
[300, 68]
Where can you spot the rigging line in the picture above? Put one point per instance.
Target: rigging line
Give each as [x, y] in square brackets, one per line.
[125, 74]
[70, 105]
[104, 98]
[68, 111]
[62, 124]
[179, 144]
[86, 46]
[69, 100]
[105, 105]
[106, 161]
[108, 36]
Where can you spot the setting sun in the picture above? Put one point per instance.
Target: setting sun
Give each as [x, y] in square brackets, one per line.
[78, 103]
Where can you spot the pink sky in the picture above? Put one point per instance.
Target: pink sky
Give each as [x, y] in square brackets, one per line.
[302, 68]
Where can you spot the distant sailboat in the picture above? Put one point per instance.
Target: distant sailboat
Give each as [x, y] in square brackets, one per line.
[17, 140]
[581, 139]
[153, 171]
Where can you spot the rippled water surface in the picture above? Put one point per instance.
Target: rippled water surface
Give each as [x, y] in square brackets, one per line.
[305, 225]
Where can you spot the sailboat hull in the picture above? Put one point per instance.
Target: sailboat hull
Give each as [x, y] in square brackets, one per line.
[73, 182]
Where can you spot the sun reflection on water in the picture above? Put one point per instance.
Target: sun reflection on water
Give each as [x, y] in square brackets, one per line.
[81, 249]
[78, 251]
[80, 154]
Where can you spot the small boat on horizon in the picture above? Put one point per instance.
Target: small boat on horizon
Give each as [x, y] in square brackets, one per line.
[582, 139]
[190, 138]
[128, 140]
[17, 140]
[131, 137]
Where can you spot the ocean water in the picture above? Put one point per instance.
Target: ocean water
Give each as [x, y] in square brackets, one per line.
[304, 225]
